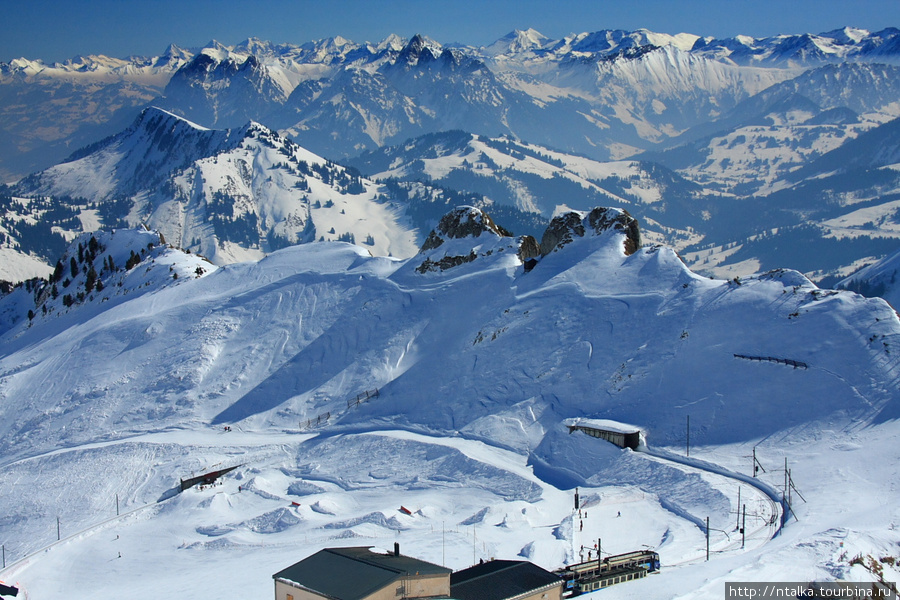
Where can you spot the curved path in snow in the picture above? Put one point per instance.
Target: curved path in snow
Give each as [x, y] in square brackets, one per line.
[773, 496]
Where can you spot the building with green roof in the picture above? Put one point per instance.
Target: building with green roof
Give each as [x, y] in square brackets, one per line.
[359, 573]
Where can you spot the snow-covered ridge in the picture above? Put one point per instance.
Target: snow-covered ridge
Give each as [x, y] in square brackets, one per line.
[98, 268]
[264, 366]
[836, 45]
[229, 194]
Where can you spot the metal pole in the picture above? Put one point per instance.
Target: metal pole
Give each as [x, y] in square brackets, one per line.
[754, 461]
[117, 505]
[707, 539]
[738, 524]
[4, 556]
[786, 481]
[57, 529]
[790, 485]
[744, 527]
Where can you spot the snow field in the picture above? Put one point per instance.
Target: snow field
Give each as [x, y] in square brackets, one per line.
[478, 367]
[468, 501]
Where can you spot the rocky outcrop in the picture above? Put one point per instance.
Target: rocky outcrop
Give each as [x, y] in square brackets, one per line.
[458, 238]
[562, 230]
[603, 219]
[467, 233]
[565, 228]
[462, 222]
[529, 249]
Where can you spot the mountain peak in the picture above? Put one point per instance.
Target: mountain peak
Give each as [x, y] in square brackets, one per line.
[418, 48]
[518, 41]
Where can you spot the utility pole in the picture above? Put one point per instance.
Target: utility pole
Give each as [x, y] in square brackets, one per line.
[786, 481]
[757, 466]
[744, 527]
[707, 539]
[789, 482]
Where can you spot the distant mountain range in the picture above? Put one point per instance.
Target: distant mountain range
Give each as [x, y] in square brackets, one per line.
[607, 94]
[231, 195]
[744, 154]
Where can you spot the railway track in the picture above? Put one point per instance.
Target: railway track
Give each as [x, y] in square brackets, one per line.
[764, 529]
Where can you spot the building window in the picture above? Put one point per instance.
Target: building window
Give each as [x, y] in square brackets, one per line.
[290, 597]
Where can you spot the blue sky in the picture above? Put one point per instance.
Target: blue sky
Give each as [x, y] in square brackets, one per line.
[55, 30]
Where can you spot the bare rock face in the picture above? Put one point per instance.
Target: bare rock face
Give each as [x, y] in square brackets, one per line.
[603, 219]
[467, 233]
[462, 222]
[528, 248]
[565, 228]
[561, 231]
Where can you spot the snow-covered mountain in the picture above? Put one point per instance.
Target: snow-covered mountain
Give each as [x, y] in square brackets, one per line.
[849, 43]
[746, 129]
[228, 194]
[47, 111]
[607, 94]
[99, 268]
[877, 280]
[231, 195]
[343, 386]
[739, 203]
[538, 179]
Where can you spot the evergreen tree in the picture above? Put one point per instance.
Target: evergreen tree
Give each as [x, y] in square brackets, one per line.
[73, 265]
[57, 271]
[91, 279]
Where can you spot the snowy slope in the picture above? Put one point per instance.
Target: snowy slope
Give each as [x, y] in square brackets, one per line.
[879, 279]
[477, 365]
[538, 179]
[229, 194]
